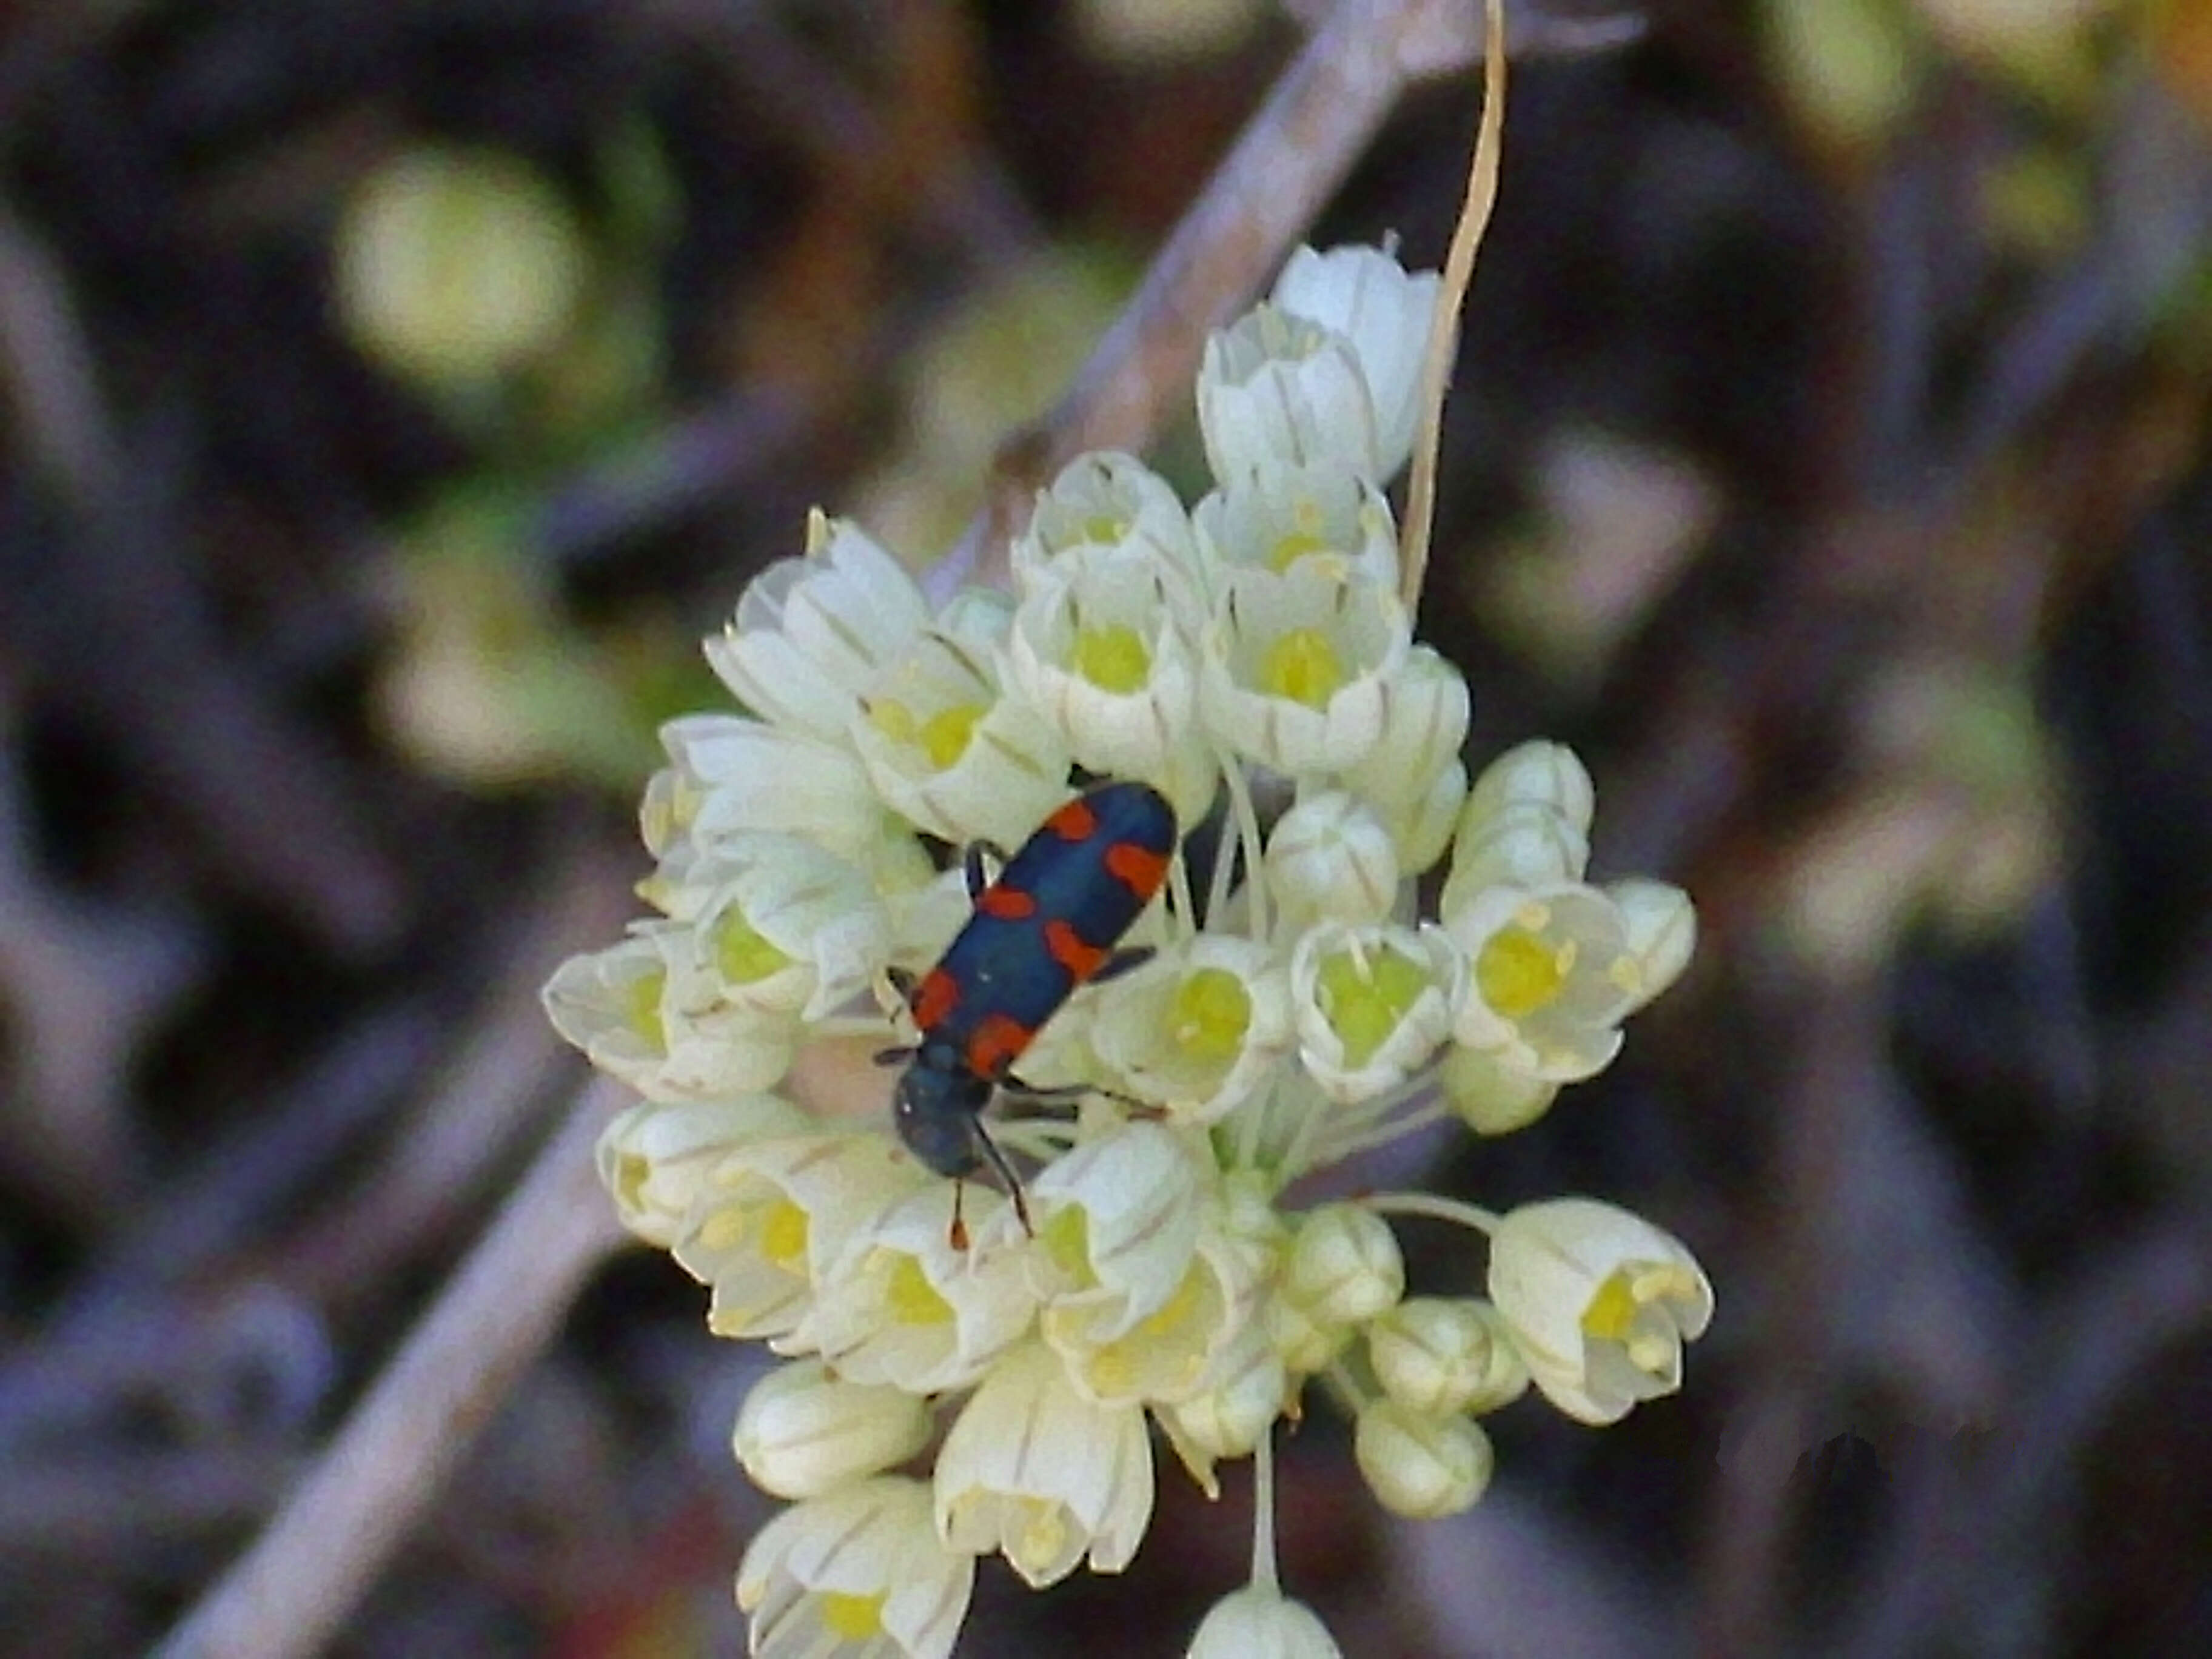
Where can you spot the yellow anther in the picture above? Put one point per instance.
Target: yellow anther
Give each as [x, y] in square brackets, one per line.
[1303, 667]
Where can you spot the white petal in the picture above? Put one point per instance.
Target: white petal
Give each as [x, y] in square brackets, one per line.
[1364, 294]
[1033, 1469]
[869, 1552]
[1275, 388]
[810, 632]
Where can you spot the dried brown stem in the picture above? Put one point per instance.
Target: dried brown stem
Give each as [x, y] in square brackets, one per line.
[1444, 328]
[292, 1589]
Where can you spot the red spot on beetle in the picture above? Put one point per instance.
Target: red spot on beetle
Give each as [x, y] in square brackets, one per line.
[1074, 822]
[1071, 952]
[1006, 904]
[1140, 869]
[996, 1043]
[935, 999]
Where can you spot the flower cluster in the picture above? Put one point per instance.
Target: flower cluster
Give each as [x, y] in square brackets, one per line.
[1251, 658]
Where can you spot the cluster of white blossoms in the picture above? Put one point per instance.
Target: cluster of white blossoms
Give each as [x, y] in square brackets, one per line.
[1251, 656]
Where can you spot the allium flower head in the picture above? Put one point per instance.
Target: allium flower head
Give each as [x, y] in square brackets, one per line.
[1198, 1022]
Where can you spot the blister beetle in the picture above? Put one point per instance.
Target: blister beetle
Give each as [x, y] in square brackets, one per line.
[1048, 923]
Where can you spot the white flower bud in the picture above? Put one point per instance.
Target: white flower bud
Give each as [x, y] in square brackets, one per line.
[1439, 1355]
[1421, 1467]
[1537, 773]
[810, 633]
[1491, 1097]
[1303, 1340]
[1519, 846]
[1344, 1265]
[1599, 1301]
[1421, 824]
[859, 1569]
[1662, 929]
[1329, 857]
[1412, 775]
[1261, 1623]
[803, 1431]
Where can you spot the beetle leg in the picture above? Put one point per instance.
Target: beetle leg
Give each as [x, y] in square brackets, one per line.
[897, 1056]
[1129, 1103]
[972, 864]
[1055, 1094]
[1056, 1101]
[894, 991]
[1006, 1175]
[1125, 960]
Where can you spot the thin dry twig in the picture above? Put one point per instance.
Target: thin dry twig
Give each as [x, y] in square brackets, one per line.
[482, 1104]
[264, 793]
[1443, 328]
[290, 1591]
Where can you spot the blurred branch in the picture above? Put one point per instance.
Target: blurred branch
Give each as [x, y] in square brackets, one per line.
[1272, 184]
[1265, 194]
[462, 1132]
[82, 981]
[116, 1327]
[291, 1590]
[267, 795]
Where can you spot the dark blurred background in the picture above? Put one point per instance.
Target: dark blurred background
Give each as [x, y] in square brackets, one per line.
[394, 392]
